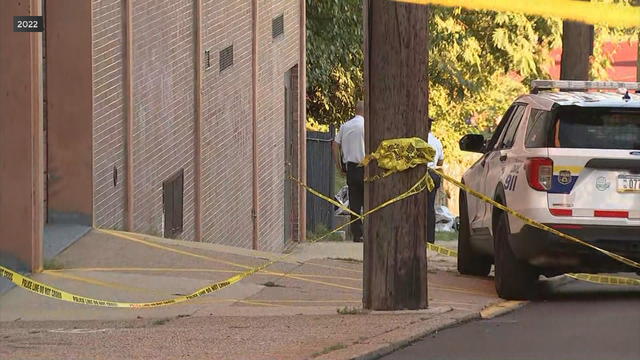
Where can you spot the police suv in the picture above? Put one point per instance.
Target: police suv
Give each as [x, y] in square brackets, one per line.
[569, 159]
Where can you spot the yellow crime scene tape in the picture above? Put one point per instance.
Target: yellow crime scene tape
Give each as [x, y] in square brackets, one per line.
[397, 155]
[394, 146]
[582, 11]
[442, 250]
[55, 293]
[536, 224]
[392, 155]
[605, 279]
[594, 278]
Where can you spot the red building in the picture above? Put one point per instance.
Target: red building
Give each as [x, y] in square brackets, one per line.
[624, 64]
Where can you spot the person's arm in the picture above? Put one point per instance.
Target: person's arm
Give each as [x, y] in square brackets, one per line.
[335, 150]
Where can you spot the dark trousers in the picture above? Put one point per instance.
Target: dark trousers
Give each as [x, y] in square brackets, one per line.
[431, 211]
[355, 182]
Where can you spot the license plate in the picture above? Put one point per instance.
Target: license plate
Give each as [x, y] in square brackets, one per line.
[629, 183]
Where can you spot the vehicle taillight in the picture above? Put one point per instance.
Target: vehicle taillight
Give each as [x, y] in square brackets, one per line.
[540, 173]
[561, 212]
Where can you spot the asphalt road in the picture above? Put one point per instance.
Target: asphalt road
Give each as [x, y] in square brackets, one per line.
[574, 321]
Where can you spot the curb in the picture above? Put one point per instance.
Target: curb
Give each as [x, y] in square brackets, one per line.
[389, 348]
[504, 307]
[501, 308]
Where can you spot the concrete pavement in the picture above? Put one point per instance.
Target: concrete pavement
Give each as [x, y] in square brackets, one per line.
[288, 311]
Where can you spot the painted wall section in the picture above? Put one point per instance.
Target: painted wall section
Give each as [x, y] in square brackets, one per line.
[69, 111]
[275, 57]
[21, 165]
[163, 108]
[109, 171]
[226, 145]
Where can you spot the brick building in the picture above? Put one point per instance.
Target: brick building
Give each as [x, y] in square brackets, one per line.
[178, 118]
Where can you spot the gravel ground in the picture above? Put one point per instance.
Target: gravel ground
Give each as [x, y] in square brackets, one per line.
[291, 318]
[269, 337]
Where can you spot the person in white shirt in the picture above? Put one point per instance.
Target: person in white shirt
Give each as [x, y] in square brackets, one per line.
[350, 143]
[437, 162]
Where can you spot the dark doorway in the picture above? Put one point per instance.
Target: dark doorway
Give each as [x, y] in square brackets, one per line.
[291, 126]
[172, 195]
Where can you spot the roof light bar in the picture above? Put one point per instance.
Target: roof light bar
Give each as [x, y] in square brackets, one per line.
[537, 85]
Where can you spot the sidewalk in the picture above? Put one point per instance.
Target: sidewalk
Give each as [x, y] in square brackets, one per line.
[288, 311]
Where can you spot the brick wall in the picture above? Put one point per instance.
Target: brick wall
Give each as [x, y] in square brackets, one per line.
[295, 168]
[227, 125]
[108, 114]
[275, 57]
[163, 108]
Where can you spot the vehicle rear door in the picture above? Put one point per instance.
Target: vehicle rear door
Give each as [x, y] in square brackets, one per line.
[497, 160]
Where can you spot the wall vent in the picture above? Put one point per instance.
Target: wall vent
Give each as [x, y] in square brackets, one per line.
[277, 26]
[207, 59]
[226, 58]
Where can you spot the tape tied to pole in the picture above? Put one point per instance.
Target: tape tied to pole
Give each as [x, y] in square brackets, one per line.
[396, 155]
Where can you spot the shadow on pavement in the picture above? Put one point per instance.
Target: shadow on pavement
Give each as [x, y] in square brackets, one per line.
[574, 290]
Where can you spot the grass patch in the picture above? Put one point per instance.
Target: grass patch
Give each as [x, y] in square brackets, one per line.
[349, 310]
[52, 264]
[339, 181]
[446, 235]
[351, 260]
[322, 230]
[329, 349]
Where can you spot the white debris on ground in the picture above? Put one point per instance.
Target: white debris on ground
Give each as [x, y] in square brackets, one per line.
[445, 220]
[343, 198]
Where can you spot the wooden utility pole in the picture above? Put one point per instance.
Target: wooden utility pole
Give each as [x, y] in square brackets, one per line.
[395, 265]
[577, 48]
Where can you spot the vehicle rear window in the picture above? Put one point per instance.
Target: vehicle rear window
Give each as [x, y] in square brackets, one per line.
[539, 129]
[585, 128]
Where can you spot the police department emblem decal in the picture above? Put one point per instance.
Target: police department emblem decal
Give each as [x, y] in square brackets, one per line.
[602, 184]
[564, 177]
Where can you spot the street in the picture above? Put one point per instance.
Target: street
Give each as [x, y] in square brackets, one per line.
[575, 321]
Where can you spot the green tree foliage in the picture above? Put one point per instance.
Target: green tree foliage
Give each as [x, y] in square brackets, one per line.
[479, 61]
[334, 59]
[467, 48]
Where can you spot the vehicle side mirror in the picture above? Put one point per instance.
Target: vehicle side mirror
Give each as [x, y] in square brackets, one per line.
[473, 143]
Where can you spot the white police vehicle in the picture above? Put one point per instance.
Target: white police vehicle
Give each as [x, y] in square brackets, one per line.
[569, 160]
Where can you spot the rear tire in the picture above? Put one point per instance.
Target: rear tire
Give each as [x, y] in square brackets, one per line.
[514, 279]
[469, 261]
